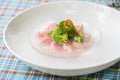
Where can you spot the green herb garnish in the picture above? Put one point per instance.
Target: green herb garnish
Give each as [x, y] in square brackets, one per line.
[64, 32]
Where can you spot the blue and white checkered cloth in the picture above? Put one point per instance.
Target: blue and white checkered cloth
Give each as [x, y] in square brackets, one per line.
[12, 68]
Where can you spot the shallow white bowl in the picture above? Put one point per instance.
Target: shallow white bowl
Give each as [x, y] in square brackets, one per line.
[102, 22]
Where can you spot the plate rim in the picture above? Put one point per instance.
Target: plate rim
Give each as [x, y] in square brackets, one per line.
[25, 60]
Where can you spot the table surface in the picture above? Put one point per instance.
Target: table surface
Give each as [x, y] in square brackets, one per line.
[11, 68]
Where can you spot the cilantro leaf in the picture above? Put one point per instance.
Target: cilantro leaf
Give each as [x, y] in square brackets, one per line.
[60, 39]
[64, 32]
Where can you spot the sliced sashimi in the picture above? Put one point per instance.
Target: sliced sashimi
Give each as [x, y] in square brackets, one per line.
[64, 40]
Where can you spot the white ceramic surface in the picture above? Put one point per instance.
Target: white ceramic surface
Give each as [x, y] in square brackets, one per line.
[102, 22]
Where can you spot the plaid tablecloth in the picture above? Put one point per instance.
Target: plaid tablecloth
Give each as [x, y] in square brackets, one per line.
[12, 68]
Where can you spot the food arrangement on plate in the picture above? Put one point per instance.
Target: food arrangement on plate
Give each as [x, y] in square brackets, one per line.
[63, 39]
[91, 38]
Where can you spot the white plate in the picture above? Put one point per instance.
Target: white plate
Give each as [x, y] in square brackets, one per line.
[102, 22]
